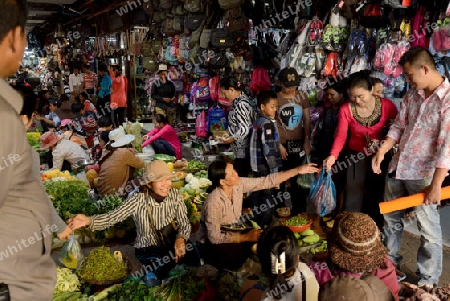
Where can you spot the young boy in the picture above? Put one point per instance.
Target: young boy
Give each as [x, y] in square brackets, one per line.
[265, 157]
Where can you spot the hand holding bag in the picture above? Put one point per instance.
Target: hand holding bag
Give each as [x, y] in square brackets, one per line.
[323, 194]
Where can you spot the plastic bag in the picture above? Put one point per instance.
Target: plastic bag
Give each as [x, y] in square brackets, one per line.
[323, 194]
[306, 180]
[71, 255]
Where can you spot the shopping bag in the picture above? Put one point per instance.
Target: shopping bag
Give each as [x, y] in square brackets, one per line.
[71, 255]
[306, 180]
[323, 194]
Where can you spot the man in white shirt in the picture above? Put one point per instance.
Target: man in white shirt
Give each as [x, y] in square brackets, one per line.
[75, 82]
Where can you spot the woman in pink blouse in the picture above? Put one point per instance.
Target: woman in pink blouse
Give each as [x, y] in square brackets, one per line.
[163, 138]
[362, 123]
[230, 249]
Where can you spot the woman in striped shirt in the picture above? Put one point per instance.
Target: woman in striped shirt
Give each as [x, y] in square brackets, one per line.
[157, 208]
[89, 80]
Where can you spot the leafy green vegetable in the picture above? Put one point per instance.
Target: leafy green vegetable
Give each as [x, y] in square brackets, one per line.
[296, 221]
[100, 265]
[164, 157]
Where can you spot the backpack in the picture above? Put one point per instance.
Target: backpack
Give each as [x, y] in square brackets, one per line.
[234, 19]
[200, 90]
[260, 80]
[229, 4]
[168, 27]
[194, 20]
[201, 125]
[418, 28]
[217, 119]
[193, 6]
[214, 84]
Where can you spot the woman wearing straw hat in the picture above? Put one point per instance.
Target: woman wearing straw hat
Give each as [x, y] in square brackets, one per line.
[62, 150]
[117, 164]
[355, 249]
[157, 209]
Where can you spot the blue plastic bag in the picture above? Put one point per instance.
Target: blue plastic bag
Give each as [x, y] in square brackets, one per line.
[323, 193]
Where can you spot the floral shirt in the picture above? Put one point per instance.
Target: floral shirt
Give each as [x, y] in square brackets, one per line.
[220, 210]
[421, 130]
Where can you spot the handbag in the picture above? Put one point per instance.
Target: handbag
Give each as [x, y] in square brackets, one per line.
[167, 235]
[221, 39]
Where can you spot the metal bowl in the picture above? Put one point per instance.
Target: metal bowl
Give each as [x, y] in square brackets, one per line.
[84, 163]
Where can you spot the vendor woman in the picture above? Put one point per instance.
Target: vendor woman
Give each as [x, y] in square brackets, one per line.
[157, 208]
[223, 206]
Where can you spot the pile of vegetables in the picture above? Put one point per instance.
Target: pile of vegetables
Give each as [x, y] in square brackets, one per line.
[194, 194]
[323, 247]
[296, 221]
[165, 158]
[182, 285]
[56, 175]
[100, 265]
[307, 237]
[66, 281]
[135, 129]
[33, 140]
[196, 164]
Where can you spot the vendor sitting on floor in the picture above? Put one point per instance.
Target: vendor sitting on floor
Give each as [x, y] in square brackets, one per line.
[163, 138]
[62, 150]
[223, 207]
[158, 208]
[117, 164]
[51, 120]
[278, 252]
[68, 131]
[355, 249]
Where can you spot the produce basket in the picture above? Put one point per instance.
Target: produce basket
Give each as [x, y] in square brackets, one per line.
[108, 282]
[297, 229]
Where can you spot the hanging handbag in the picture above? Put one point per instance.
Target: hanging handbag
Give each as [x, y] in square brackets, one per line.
[372, 15]
[167, 235]
[220, 37]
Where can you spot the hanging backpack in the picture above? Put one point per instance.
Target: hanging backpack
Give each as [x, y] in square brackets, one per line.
[194, 20]
[201, 126]
[217, 119]
[200, 90]
[229, 4]
[260, 80]
[418, 27]
[193, 6]
[234, 19]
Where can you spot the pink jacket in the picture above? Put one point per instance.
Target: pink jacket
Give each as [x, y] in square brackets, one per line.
[166, 133]
[388, 275]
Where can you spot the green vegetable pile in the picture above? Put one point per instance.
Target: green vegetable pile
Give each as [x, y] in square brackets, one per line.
[66, 281]
[307, 238]
[100, 265]
[70, 197]
[201, 174]
[195, 164]
[322, 248]
[70, 296]
[296, 221]
[182, 285]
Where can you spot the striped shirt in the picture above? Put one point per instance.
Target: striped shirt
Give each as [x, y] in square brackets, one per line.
[89, 80]
[219, 210]
[240, 121]
[172, 208]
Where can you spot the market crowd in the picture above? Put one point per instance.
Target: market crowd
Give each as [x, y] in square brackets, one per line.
[406, 151]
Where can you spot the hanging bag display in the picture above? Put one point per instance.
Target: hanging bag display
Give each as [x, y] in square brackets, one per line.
[200, 126]
[372, 15]
[220, 38]
[194, 21]
[229, 4]
[418, 26]
[234, 19]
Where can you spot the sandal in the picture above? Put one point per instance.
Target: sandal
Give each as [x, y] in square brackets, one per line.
[311, 64]
[303, 63]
